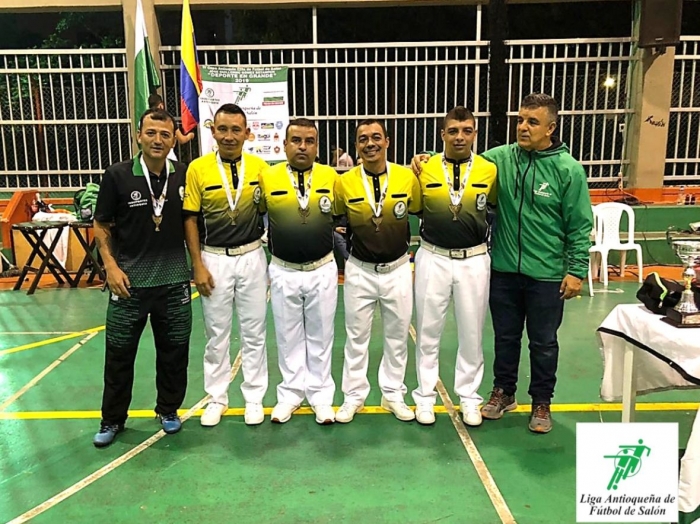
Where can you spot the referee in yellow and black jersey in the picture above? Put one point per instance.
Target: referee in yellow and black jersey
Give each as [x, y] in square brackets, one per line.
[453, 262]
[223, 233]
[376, 197]
[298, 197]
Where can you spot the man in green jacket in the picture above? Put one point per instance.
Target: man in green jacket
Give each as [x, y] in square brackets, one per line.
[539, 255]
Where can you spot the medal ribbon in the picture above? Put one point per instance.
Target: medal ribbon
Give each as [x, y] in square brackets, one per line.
[376, 207]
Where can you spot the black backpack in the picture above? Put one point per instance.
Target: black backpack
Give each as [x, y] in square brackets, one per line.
[660, 294]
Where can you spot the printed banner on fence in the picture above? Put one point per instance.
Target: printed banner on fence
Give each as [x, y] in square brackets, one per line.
[261, 91]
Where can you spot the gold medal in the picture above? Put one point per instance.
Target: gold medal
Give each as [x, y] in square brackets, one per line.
[233, 214]
[377, 222]
[455, 209]
[304, 213]
[157, 220]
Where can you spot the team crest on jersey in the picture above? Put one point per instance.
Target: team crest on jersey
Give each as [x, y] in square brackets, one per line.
[182, 192]
[325, 204]
[135, 195]
[257, 194]
[400, 210]
[481, 201]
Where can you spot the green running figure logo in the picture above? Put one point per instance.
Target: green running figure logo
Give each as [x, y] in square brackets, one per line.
[242, 94]
[628, 462]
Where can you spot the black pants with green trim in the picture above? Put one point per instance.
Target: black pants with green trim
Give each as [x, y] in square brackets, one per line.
[170, 310]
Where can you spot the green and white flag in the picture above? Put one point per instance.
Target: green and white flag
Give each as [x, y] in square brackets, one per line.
[145, 74]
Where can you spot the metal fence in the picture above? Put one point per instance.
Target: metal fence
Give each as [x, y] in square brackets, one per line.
[411, 86]
[64, 116]
[589, 80]
[683, 149]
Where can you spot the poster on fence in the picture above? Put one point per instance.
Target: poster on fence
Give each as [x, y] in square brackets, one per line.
[261, 91]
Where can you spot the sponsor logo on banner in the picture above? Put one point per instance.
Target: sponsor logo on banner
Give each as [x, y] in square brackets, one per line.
[267, 125]
[273, 101]
[626, 472]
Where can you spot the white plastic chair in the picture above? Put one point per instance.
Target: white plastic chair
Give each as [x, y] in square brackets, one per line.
[607, 237]
[592, 262]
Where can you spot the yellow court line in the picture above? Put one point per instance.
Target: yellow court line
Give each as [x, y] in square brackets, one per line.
[33, 382]
[61, 338]
[37, 332]
[367, 410]
[482, 470]
[50, 341]
[108, 468]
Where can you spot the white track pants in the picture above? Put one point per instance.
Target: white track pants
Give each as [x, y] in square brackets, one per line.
[241, 280]
[363, 289]
[303, 305]
[438, 278]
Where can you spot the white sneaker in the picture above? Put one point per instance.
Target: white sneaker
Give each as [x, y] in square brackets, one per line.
[425, 413]
[212, 415]
[399, 408]
[254, 414]
[324, 414]
[471, 415]
[347, 411]
[283, 412]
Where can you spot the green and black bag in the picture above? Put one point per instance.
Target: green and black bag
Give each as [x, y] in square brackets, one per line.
[85, 201]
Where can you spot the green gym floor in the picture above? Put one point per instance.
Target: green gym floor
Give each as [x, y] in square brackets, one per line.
[373, 470]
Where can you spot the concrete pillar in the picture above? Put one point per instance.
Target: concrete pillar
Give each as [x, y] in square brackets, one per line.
[650, 94]
[149, 14]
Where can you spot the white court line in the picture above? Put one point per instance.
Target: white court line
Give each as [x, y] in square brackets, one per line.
[33, 382]
[487, 480]
[75, 488]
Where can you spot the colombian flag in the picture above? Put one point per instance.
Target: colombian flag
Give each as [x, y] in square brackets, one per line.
[190, 79]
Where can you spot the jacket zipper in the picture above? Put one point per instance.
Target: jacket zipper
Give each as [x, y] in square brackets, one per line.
[520, 211]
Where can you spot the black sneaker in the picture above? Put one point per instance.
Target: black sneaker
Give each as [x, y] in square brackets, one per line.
[498, 404]
[540, 419]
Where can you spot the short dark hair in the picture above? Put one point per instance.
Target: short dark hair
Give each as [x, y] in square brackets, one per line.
[459, 113]
[300, 122]
[369, 122]
[157, 114]
[154, 101]
[232, 109]
[537, 100]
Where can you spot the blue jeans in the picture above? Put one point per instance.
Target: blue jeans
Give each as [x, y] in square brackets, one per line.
[517, 301]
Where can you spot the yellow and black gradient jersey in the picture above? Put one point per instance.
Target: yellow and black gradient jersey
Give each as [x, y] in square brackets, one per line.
[297, 236]
[470, 228]
[390, 239]
[205, 197]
